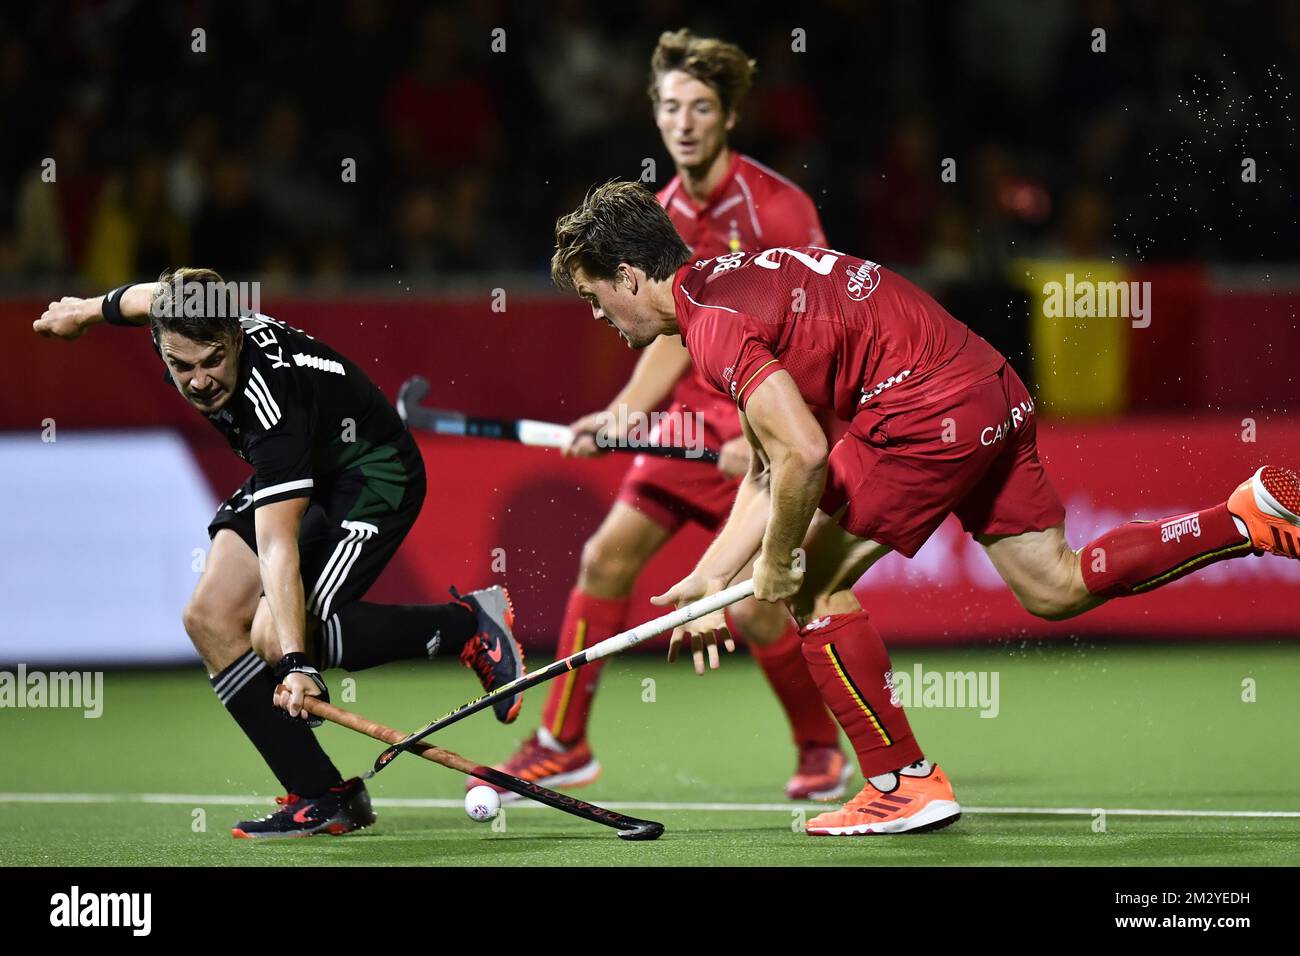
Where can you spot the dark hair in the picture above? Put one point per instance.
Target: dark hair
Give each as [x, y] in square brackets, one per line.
[212, 316]
[717, 63]
[617, 222]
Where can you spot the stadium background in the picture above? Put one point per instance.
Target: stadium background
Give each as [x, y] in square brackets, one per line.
[1125, 164]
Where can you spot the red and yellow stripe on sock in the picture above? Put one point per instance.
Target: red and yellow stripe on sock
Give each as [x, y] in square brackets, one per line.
[858, 697]
[569, 681]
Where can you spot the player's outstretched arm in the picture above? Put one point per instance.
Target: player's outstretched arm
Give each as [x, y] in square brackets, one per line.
[70, 316]
[728, 553]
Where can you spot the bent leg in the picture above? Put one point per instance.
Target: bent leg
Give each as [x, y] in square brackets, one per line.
[614, 556]
[1054, 582]
[597, 608]
[219, 619]
[836, 560]
[1042, 571]
[219, 614]
[845, 653]
[773, 639]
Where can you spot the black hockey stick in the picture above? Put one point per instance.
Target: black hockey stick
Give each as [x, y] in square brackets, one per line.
[611, 645]
[526, 431]
[630, 828]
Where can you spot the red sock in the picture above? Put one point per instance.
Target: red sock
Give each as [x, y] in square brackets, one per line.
[587, 621]
[786, 670]
[848, 660]
[1143, 555]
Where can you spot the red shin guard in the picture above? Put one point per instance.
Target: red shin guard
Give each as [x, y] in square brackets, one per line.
[1143, 555]
[786, 670]
[848, 660]
[587, 621]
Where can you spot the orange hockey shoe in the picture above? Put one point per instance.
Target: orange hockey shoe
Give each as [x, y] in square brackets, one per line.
[541, 759]
[916, 805]
[1268, 504]
[821, 773]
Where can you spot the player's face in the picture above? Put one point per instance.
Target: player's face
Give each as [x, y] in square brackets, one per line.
[204, 372]
[613, 303]
[691, 120]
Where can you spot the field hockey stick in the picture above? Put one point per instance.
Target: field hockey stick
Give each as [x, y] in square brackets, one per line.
[610, 646]
[630, 828]
[526, 431]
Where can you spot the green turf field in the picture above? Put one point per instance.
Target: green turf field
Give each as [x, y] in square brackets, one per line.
[1079, 728]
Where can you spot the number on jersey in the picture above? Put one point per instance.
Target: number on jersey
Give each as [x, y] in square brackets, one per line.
[822, 264]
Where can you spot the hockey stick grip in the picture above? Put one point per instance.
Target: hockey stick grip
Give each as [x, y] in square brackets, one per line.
[389, 735]
[666, 622]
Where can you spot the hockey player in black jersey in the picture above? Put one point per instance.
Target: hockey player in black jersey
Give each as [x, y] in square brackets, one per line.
[337, 482]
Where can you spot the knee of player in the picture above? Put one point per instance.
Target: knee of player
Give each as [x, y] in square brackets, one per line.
[200, 620]
[759, 622]
[606, 566]
[1049, 607]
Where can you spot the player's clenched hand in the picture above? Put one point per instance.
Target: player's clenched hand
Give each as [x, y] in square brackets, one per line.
[65, 319]
[733, 457]
[583, 443]
[289, 695]
[776, 580]
[703, 631]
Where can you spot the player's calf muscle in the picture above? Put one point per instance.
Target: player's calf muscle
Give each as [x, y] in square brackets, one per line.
[1043, 573]
[265, 641]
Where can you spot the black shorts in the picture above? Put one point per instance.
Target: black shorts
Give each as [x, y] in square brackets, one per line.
[351, 530]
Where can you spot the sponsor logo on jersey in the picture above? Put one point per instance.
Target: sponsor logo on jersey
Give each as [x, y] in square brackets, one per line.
[862, 280]
[727, 376]
[731, 260]
[1020, 412]
[817, 622]
[887, 383]
[1175, 529]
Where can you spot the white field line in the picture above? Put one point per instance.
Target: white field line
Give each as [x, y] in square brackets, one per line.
[199, 799]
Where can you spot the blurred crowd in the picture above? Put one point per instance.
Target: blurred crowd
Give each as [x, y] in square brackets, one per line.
[231, 148]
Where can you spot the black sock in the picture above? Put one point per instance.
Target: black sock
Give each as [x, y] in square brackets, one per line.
[288, 746]
[361, 635]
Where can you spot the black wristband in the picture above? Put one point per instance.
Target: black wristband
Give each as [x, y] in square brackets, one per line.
[111, 309]
[290, 663]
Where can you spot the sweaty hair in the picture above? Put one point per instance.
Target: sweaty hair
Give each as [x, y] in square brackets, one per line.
[195, 303]
[717, 63]
[617, 222]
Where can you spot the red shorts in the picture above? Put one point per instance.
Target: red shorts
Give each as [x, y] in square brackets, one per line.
[975, 456]
[671, 492]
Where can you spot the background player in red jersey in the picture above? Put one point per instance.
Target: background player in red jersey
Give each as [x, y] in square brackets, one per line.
[939, 424]
[720, 201]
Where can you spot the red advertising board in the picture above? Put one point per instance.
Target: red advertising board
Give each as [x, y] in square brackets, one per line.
[492, 503]
[531, 510]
